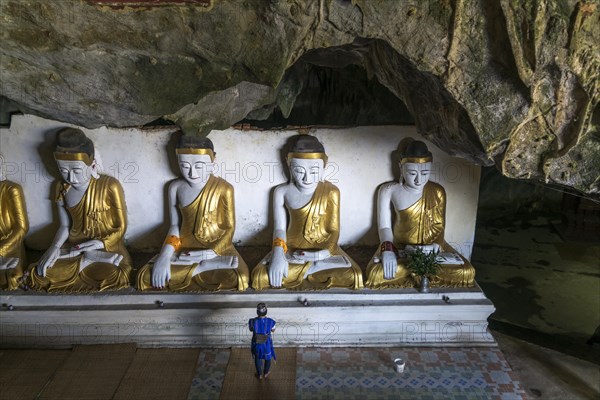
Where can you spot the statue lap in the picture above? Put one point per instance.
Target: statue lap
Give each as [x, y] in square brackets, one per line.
[213, 206]
[183, 281]
[448, 275]
[65, 276]
[94, 218]
[350, 278]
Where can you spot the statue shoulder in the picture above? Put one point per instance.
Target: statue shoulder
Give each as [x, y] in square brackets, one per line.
[328, 184]
[12, 187]
[175, 185]
[13, 191]
[281, 190]
[109, 181]
[111, 187]
[388, 188]
[437, 189]
[331, 191]
[330, 187]
[223, 184]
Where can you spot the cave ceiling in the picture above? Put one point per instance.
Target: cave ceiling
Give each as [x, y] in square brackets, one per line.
[511, 83]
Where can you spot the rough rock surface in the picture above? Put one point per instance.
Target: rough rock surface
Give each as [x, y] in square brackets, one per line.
[510, 82]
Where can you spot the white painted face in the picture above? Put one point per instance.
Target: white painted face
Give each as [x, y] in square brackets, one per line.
[195, 168]
[416, 175]
[76, 173]
[306, 173]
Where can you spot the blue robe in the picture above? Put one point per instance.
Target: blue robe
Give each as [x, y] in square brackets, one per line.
[262, 351]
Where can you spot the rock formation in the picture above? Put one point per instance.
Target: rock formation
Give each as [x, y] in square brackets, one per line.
[513, 83]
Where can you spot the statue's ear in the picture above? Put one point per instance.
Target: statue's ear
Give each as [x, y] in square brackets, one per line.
[401, 169]
[94, 169]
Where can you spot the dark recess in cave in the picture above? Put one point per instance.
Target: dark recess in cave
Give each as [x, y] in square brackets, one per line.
[339, 97]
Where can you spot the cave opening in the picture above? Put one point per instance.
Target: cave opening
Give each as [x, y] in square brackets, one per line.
[336, 97]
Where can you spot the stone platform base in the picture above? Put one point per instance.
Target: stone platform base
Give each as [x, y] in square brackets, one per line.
[332, 318]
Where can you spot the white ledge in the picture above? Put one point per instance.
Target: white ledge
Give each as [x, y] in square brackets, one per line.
[447, 317]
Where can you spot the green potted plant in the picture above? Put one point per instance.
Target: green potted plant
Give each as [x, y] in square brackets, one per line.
[424, 265]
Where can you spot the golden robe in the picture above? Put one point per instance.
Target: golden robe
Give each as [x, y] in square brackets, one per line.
[420, 224]
[316, 226]
[102, 215]
[207, 223]
[13, 227]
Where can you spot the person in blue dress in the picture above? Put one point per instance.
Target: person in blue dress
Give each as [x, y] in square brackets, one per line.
[262, 342]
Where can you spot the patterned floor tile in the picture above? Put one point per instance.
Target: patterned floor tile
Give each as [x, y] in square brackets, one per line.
[430, 373]
[210, 371]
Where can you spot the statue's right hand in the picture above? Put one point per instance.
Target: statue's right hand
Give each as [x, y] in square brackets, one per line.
[48, 260]
[205, 254]
[278, 269]
[390, 264]
[161, 272]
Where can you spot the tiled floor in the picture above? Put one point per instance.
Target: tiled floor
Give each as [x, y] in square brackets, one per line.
[430, 373]
[368, 373]
[210, 372]
[515, 370]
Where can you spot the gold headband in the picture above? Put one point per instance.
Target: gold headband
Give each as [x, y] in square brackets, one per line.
[61, 156]
[307, 156]
[197, 151]
[416, 160]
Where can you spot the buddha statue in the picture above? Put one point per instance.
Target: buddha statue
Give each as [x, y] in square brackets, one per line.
[198, 253]
[306, 254]
[419, 208]
[13, 227]
[87, 252]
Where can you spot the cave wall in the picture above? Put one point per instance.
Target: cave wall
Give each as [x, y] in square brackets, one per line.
[360, 159]
[511, 83]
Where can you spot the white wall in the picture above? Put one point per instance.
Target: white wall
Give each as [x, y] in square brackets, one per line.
[360, 159]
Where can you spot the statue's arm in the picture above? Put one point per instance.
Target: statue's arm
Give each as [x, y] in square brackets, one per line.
[174, 220]
[384, 214]
[118, 211]
[20, 224]
[161, 271]
[61, 236]
[435, 234]
[279, 265]
[227, 220]
[279, 214]
[389, 259]
[334, 219]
